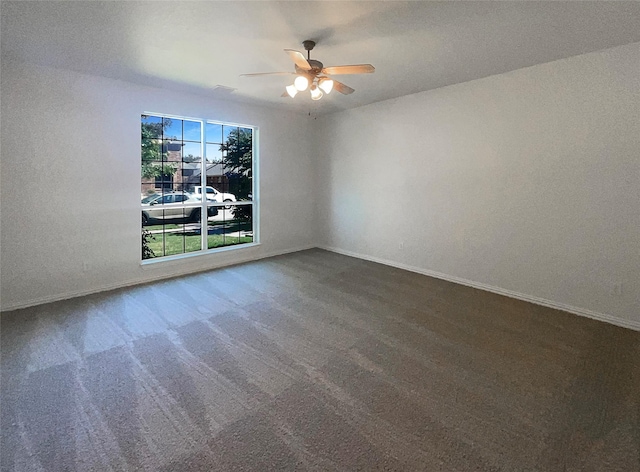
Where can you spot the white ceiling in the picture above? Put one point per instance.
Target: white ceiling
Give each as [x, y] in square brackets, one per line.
[415, 46]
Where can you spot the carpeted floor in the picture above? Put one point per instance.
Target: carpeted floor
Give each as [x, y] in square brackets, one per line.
[315, 361]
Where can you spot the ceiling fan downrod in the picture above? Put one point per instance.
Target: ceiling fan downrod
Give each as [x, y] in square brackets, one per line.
[308, 45]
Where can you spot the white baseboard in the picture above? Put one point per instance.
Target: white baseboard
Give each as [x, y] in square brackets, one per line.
[635, 325]
[146, 280]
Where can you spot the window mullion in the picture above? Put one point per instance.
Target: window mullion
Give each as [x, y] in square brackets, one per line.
[204, 213]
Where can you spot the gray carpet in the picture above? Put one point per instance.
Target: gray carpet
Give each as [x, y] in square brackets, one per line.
[315, 361]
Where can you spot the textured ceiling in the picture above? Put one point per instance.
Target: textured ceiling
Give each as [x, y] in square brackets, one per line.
[415, 46]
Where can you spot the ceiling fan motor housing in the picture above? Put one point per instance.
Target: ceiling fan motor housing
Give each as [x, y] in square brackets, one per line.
[316, 68]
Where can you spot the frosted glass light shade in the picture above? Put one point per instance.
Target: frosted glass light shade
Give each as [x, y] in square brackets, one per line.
[292, 90]
[316, 93]
[326, 85]
[301, 83]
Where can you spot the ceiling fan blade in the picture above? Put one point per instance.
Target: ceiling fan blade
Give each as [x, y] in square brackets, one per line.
[285, 94]
[266, 73]
[298, 58]
[342, 88]
[352, 69]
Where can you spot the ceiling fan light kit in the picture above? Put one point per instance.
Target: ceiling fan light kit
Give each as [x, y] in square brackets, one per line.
[301, 83]
[316, 93]
[326, 84]
[311, 74]
[291, 90]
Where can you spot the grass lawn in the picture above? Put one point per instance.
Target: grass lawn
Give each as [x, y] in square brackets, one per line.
[178, 243]
[180, 238]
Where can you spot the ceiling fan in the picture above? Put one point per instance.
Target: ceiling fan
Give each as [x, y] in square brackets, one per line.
[311, 74]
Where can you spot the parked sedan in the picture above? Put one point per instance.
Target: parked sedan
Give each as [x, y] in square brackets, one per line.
[153, 207]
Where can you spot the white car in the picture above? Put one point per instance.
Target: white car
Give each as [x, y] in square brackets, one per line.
[214, 195]
[153, 208]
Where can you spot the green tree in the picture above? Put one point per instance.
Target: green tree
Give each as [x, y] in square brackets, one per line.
[239, 160]
[191, 158]
[239, 167]
[153, 151]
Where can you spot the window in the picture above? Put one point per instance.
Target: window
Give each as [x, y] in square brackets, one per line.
[197, 185]
[164, 181]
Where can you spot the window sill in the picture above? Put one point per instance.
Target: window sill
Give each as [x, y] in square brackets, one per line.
[177, 257]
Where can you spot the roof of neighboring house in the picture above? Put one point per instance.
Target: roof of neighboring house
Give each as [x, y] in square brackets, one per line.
[191, 165]
[214, 169]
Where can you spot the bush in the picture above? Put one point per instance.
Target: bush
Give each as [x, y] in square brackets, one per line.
[242, 212]
[147, 252]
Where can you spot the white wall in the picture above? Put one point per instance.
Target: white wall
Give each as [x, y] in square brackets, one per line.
[71, 182]
[526, 183]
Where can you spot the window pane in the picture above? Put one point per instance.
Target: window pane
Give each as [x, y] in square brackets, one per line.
[228, 131]
[149, 171]
[165, 177]
[147, 189]
[214, 153]
[172, 129]
[174, 240]
[214, 133]
[191, 174]
[248, 132]
[191, 152]
[152, 241]
[214, 215]
[230, 227]
[217, 180]
[151, 126]
[192, 241]
[192, 131]
[172, 150]
[151, 149]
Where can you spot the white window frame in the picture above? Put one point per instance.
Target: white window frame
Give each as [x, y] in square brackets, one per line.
[204, 204]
